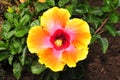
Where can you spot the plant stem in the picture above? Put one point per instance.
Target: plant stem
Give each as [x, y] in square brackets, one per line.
[100, 27]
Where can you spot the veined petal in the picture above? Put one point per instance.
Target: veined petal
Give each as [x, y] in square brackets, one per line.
[54, 18]
[38, 39]
[72, 55]
[69, 56]
[82, 54]
[79, 32]
[51, 61]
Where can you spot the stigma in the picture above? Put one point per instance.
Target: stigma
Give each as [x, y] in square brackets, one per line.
[58, 42]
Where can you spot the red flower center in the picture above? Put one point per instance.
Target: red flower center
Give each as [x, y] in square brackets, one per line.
[60, 39]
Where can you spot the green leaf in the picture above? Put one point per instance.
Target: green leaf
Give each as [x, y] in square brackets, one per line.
[15, 47]
[2, 45]
[82, 9]
[111, 29]
[17, 69]
[92, 19]
[106, 9]
[10, 10]
[22, 58]
[13, 51]
[114, 18]
[96, 11]
[9, 16]
[110, 3]
[51, 2]
[16, 23]
[10, 59]
[21, 33]
[3, 55]
[107, 2]
[118, 3]
[115, 3]
[94, 38]
[20, 48]
[16, 44]
[23, 5]
[6, 26]
[37, 68]
[10, 34]
[24, 11]
[104, 44]
[23, 41]
[35, 23]
[25, 19]
[74, 3]
[70, 9]
[61, 3]
[96, 23]
[41, 6]
[118, 33]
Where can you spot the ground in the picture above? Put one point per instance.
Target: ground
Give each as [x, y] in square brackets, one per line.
[104, 66]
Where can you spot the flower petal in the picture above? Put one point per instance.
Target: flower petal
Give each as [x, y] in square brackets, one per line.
[54, 18]
[72, 55]
[49, 58]
[69, 57]
[42, 1]
[22, 1]
[82, 54]
[79, 31]
[38, 39]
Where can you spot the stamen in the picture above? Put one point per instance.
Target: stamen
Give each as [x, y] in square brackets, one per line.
[58, 42]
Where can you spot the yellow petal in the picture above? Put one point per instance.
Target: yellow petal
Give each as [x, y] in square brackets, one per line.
[82, 54]
[51, 61]
[38, 39]
[41, 1]
[73, 55]
[79, 32]
[22, 1]
[69, 56]
[54, 18]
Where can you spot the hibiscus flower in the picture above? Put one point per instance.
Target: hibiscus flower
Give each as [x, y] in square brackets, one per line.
[59, 40]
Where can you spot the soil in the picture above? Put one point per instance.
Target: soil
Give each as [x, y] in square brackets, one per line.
[104, 66]
[98, 66]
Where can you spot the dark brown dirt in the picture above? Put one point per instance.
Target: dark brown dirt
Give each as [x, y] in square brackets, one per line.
[96, 3]
[25, 76]
[101, 66]
[1, 21]
[104, 66]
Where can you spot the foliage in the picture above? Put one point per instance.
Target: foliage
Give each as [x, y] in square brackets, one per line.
[18, 21]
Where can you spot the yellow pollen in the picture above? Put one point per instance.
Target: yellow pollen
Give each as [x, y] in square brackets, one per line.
[58, 42]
